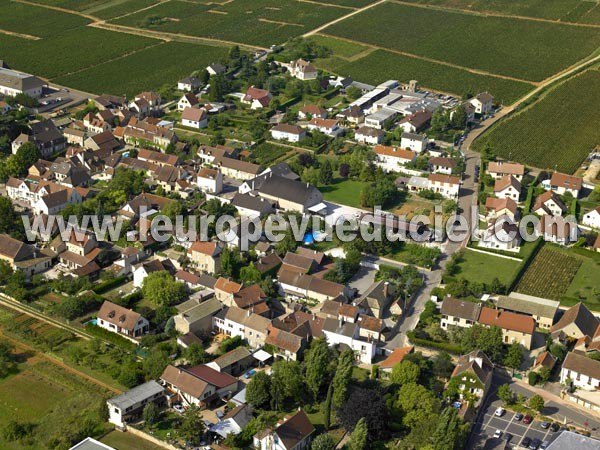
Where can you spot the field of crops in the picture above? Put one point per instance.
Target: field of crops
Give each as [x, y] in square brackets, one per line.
[524, 49]
[101, 8]
[581, 11]
[351, 3]
[262, 23]
[381, 65]
[550, 274]
[556, 130]
[146, 69]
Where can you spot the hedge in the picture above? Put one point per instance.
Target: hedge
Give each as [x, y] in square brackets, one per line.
[108, 285]
[109, 336]
[446, 346]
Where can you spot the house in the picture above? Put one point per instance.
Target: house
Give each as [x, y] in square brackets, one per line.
[225, 290]
[143, 205]
[592, 218]
[256, 98]
[152, 98]
[234, 362]
[297, 285]
[205, 255]
[215, 69]
[581, 372]
[303, 70]
[345, 334]
[128, 406]
[483, 103]
[210, 180]
[233, 422]
[199, 385]
[498, 207]
[311, 111]
[146, 134]
[189, 84]
[251, 297]
[394, 358]
[515, 327]
[294, 432]
[446, 185]
[330, 127]
[13, 83]
[575, 323]
[381, 118]
[158, 158]
[287, 194]
[416, 122]
[441, 164]
[251, 207]
[91, 444]
[46, 137]
[141, 271]
[459, 313]
[196, 316]
[549, 203]
[194, 118]
[508, 187]
[542, 310]
[188, 100]
[234, 168]
[562, 183]
[544, 359]
[472, 376]
[501, 169]
[123, 321]
[557, 230]
[391, 159]
[415, 142]
[23, 257]
[352, 114]
[501, 234]
[287, 344]
[369, 135]
[56, 201]
[4, 107]
[75, 136]
[571, 440]
[105, 142]
[287, 132]
[377, 299]
[243, 323]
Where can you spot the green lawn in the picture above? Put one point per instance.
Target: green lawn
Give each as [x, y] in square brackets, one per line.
[127, 441]
[344, 192]
[484, 268]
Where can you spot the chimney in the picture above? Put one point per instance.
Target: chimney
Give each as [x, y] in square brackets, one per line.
[385, 288]
[249, 312]
[307, 185]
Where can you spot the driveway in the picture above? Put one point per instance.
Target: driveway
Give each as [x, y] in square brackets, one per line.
[363, 279]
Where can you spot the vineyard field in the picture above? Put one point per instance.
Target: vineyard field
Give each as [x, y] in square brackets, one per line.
[100, 8]
[550, 274]
[263, 23]
[576, 11]
[551, 131]
[381, 65]
[176, 61]
[524, 49]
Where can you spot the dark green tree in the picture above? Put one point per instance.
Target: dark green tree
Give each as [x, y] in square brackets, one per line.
[258, 390]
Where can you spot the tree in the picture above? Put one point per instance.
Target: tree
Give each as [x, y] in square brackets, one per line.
[317, 366]
[192, 425]
[488, 340]
[459, 118]
[405, 372]
[364, 403]
[417, 403]
[195, 354]
[544, 373]
[506, 394]
[326, 173]
[359, 437]
[323, 442]
[229, 260]
[258, 390]
[558, 351]
[27, 154]
[162, 289]
[150, 414]
[286, 383]
[327, 407]
[342, 377]
[10, 222]
[217, 88]
[533, 378]
[353, 92]
[536, 403]
[7, 359]
[249, 274]
[514, 356]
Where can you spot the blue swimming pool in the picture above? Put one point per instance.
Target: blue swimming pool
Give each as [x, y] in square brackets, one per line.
[309, 238]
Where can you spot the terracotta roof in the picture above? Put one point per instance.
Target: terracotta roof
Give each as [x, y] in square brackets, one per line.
[545, 359]
[206, 172]
[210, 248]
[507, 320]
[249, 296]
[369, 131]
[323, 123]
[292, 430]
[191, 98]
[184, 381]
[193, 114]
[211, 376]
[187, 277]
[313, 110]
[118, 315]
[284, 340]
[566, 181]
[505, 182]
[347, 310]
[506, 168]
[288, 128]
[395, 152]
[498, 204]
[444, 179]
[461, 308]
[159, 157]
[231, 287]
[298, 261]
[395, 357]
[442, 161]
[370, 323]
[541, 200]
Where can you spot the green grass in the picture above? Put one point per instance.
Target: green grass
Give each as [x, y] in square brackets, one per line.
[483, 268]
[340, 47]
[262, 22]
[382, 65]
[585, 286]
[551, 132]
[146, 69]
[524, 49]
[344, 192]
[127, 441]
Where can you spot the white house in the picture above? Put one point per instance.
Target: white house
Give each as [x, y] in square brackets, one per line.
[581, 372]
[13, 83]
[329, 127]
[592, 218]
[123, 321]
[441, 164]
[501, 234]
[243, 323]
[257, 98]
[293, 432]
[189, 84]
[194, 118]
[210, 180]
[303, 70]
[287, 132]
[312, 111]
[188, 100]
[369, 135]
[500, 169]
[129, 405]
[446, 185]
[508, 187]
[337, 332]
[562, 183]
[549, 203]
[390, 159]
[483, 103]
[415, 142]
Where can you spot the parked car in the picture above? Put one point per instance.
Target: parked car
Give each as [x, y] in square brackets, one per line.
[500, 412]
[545, 425]
[178, 408]
[518, 417]
[535, 444]
[249, 374]
[544, 445]
[220, 414]
[527, 419]
[498, 433]
[554, 427]
[525, 442]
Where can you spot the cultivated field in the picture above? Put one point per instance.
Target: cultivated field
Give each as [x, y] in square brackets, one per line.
[524, 49]
[262, 22]
[578, 11]
[550, 273]
[585, 286]
[557, 130]
[101, 8]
